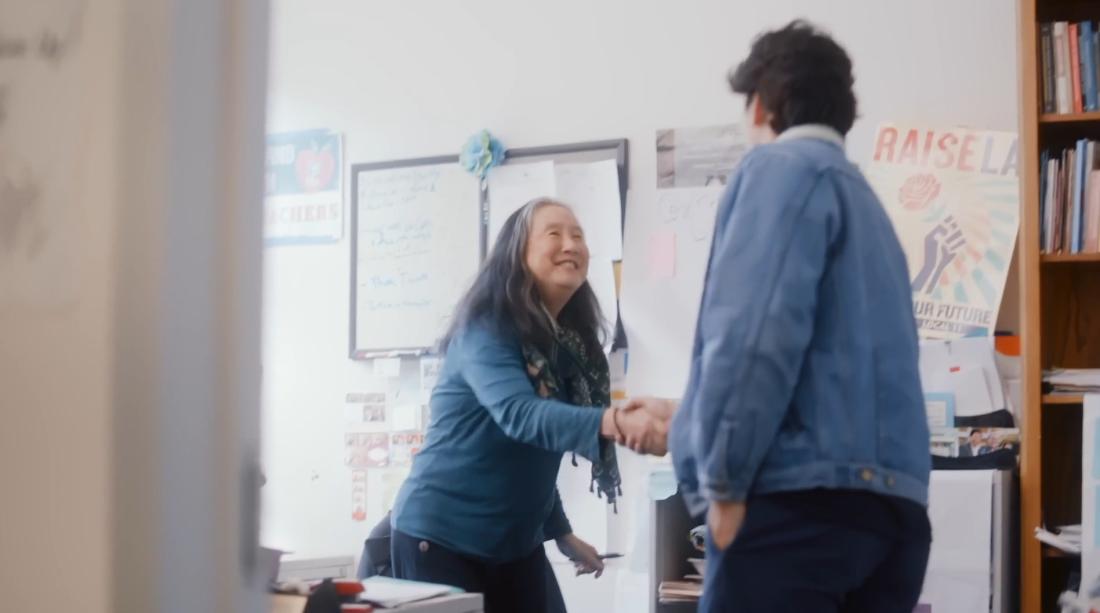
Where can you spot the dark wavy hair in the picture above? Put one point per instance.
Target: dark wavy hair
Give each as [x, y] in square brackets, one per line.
[504, 293]
[801, 75]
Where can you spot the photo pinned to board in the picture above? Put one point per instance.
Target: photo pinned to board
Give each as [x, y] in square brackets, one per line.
[367, 449]
[365, 408]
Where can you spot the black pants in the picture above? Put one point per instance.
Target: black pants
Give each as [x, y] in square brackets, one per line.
[822, 551]
[526, 585]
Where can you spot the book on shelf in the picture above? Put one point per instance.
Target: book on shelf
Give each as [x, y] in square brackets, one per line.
[1044, 186]
[1088, 67]
[1069, 209]
[1061, 69]
[1062, 203]
[1095, 47]
[1073, 40]
[1058, 178]
[1047, 205]
[1080, 159]
[1069, 60]
[1046, 42]
[1092, 214]
[1070, 204]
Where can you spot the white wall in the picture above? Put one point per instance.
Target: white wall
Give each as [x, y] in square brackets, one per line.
[407, 78]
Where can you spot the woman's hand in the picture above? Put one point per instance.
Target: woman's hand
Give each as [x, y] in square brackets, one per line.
[584, 556]
[643, 432]
[637, 429]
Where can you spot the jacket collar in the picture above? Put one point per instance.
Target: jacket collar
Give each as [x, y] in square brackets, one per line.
[813, 130]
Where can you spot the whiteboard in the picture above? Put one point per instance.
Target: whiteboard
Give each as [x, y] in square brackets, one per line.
[416, 236]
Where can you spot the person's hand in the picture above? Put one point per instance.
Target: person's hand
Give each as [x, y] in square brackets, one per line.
[724, 520]
[642, 432]
[584, 556]
[661, 408]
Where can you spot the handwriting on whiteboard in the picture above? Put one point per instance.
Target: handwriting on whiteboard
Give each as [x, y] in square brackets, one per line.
[396, 235]
[416, 250]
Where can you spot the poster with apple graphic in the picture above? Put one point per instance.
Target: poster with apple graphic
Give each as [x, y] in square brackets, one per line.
[304, 196]
[953, 196]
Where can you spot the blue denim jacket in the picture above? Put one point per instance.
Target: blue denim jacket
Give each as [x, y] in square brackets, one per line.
[804, 368]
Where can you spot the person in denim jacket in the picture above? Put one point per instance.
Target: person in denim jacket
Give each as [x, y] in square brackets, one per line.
[802, 435]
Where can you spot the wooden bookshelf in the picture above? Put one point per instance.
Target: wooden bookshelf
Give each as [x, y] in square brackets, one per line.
[1070, 258]
[1059, 324]
[1063, 399]
[1069, 117]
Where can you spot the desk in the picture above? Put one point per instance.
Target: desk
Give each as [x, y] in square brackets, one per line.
[452, 603]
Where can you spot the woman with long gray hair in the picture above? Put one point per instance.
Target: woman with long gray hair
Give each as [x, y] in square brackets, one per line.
[524, 380]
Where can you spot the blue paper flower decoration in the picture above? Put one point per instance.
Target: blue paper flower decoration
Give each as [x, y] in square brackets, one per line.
[481, 153]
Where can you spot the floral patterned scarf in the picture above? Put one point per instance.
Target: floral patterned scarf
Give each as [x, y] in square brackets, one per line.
[581, 379]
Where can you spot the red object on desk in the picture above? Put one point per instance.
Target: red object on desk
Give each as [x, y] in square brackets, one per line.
[344, 587]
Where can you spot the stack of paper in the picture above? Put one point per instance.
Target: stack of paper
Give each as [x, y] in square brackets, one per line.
[1068, 538]
[964, 373]
[679, 591]
[390, 593]
[1074, 380]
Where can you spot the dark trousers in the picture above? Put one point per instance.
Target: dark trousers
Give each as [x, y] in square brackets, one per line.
[827, 551]
[524, 585]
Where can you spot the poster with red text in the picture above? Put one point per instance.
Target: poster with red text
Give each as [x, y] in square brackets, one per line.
[953, 196]
[303, 188]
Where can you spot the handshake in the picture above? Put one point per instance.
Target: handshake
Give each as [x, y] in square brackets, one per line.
[641, 424]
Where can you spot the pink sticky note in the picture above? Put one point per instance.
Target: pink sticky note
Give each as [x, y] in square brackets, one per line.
[662, 255]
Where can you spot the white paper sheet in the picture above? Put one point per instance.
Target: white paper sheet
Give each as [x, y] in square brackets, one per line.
[592, 190]
[960, 568]
[980, 351]
[1090, 490]
[389, 592]
[601, 276]
[659, 313]
[939, 357]
[971, 390]
[940, 411]
[935, 357]
[513, 185]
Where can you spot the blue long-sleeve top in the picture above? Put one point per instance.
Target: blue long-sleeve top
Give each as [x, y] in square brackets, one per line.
[485, 482]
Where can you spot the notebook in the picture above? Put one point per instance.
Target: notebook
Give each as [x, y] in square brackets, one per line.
[389, 593]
